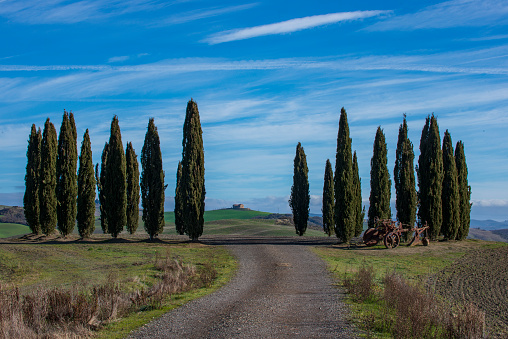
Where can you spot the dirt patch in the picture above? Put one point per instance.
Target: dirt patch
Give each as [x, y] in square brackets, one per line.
[480, 277]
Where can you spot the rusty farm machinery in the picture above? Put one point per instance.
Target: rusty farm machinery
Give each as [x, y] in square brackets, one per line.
[390, 232]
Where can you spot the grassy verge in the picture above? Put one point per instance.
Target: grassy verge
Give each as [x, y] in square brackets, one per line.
[132, 264]
[413, 265]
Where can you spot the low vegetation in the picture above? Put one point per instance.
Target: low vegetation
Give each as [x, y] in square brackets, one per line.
[393, 293]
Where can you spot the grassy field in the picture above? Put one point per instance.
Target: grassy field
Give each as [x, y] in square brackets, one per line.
[223, 214]
[10, 230]
[416, 264]
[131, 263]
[253, 227]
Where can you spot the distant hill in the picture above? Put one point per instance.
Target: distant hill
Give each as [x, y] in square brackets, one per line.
[12, 215]
[222, 214]
[495, 235]
[489, 224]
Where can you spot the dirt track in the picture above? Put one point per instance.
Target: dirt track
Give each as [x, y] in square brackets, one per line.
[480, 277]
[281, 290]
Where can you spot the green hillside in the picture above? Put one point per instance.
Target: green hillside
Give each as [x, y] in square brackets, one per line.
[253, 227]
[10, 230]
[223, 214]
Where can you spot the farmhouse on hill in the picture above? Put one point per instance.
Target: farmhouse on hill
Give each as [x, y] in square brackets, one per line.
[238, 206]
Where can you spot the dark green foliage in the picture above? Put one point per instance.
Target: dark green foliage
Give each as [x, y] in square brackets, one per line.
[86, 189]
[73, 128]
[430, 178]
[344, 191]
[32, 181]
[300, 197]
[357, 186]
[328, 208]
[115, 187]
[152, 183]
[450, 195]
[179, 221]
[404, 177]
[100, 179]
[47, 192]
[464, 191]
[131, 160]
[380, 183]
[66, 183]
[193, 173]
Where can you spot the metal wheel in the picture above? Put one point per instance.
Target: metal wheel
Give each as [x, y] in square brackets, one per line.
[392, 240]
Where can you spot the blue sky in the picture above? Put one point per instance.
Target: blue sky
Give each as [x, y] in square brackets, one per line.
[265, 76]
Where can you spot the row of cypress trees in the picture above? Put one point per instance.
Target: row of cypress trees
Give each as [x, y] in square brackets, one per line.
[56, 195]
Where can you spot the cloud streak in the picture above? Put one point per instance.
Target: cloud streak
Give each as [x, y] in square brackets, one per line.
[290, 26]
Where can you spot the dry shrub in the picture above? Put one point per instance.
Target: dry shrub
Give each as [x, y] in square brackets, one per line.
[361, 284]
[75, 312]
[466, 322]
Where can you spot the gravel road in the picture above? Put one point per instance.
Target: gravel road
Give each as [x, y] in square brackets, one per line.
[281, 290]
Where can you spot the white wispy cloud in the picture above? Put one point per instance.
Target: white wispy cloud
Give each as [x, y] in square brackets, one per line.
[118, 58]
[289, 26]
[455, 13]
[199, 14]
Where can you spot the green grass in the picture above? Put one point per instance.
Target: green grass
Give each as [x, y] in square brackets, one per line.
[223, 214]
[416, 264]
[10, 230]
[48, 265]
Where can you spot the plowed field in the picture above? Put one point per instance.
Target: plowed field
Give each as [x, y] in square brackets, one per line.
[480, 277]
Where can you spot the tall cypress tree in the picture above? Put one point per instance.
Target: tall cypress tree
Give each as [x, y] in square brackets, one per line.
[47, 193]
[116, 182]
[464, 191]
[380, 182]
[359, 209]
[131, 160]
[328, 208]
[193, 173]
[152, 182]
[300, 198]
[100, 179]
[344, 192]
[32, 181]
[404, 177]
[430, 178]
[450, 194]
[66, 186]
[179, 220]
[86, 189]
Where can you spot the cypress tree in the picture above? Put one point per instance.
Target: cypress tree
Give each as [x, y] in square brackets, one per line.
[66, 186]
[131, 160]
[152, 182]
[380, 182]
[300, 198]
[179, 221]
[115, 187]
[328, 208]
[359, 209]
[450, 194]
[464, 191]
[193, 173]
[404, 177]
[100, 179]
[32, 181]
[344, 192]
[86, 189]
[47, 193]
[430, 178]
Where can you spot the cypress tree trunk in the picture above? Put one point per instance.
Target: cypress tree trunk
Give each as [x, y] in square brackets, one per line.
[430, 178]
[300, 198]
[380, 182]
[450, 195]
[404, 177]
[32, 181]
[47, 197]
[115, 187]
[328, 208]
[464, 191]
[152, 182]
[131, 160]
[193, 173]
[359, 209]
[66, 186]
[344, 192]
[100, 179]
[86, 190]
[179, 220]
